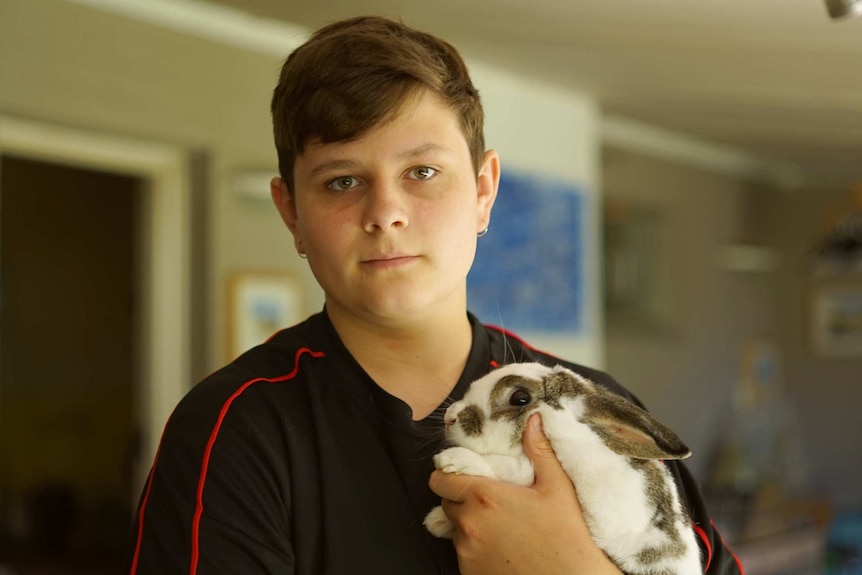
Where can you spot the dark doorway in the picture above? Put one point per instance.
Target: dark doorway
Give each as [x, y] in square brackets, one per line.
[67, 366]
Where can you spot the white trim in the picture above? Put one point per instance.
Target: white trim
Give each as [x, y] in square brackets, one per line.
[164, 253]
[214, 22]
[666, 144]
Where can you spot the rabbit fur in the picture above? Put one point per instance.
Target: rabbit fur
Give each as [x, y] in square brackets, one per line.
[610, 448]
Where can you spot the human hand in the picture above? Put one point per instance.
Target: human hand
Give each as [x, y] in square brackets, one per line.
[505, 529]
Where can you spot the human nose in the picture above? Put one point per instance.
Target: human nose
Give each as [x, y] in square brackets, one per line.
[384, 208]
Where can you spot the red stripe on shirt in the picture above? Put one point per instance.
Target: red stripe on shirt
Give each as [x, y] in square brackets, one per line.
[728, 549]
[195, 553]
[508, 333]
[705, 538]
[199, 507]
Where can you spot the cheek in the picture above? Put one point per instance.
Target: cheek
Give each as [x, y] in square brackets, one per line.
[456, 234]
[454, 204]
[321, 231]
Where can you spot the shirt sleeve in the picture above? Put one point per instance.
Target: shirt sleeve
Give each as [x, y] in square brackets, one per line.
[717, 557]
[215, 501]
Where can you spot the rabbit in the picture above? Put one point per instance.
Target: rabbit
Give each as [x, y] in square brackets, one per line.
[610, 448]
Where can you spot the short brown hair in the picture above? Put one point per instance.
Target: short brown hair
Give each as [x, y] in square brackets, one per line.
[354, 74]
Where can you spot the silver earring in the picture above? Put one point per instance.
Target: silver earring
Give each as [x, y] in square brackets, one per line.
[483, 232]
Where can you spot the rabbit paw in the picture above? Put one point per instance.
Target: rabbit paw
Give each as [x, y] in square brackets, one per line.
[463, 461]
[438, 524]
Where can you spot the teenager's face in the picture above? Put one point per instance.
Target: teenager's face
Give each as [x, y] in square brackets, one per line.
[389, 221]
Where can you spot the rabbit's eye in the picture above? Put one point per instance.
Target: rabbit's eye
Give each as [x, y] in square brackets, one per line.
[519, 398]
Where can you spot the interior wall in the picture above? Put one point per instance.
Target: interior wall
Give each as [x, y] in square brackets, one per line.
[687, 364]
[686, 361]
[120, 76]
[106, 73]
[826, 390]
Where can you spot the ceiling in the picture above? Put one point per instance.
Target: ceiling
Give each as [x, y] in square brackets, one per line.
[777, 79]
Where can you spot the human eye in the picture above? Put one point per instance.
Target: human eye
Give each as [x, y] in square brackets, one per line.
[422, 173]
[342, 183]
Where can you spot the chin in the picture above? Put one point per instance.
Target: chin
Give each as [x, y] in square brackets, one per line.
[407, 303]
[390, 309]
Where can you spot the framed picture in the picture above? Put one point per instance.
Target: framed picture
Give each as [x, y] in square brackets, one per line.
[530, 277]
[635, 284]
[260, 303]
[837, 321]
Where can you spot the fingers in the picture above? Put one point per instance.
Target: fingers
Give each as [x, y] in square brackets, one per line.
[455, 491]
[552, 481]
[539, 450]
[454, 487]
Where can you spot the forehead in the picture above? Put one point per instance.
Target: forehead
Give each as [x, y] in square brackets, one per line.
[423, 123]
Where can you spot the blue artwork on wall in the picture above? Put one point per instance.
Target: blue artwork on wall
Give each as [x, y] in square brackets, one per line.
[528, 273]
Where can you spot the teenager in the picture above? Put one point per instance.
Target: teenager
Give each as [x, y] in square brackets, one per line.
[312, 453]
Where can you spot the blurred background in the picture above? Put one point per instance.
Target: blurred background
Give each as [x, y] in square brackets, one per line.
[714, 147]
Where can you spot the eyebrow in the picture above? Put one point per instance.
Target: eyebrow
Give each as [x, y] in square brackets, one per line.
[422, 150]
[347, 165]
[333, 166]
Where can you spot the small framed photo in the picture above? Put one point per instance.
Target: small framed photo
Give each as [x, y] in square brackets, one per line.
[837, 321]
[260, 304]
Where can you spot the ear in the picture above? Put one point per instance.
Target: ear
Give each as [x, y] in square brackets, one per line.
[631, 431]
[285, 203]
[488, 182]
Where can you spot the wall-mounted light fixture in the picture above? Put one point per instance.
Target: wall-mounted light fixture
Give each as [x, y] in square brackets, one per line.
[252, 184]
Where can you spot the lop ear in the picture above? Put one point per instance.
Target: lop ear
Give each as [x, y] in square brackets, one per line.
[630, 431]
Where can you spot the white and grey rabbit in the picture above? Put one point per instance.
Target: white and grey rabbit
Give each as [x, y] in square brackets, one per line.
[610, 448]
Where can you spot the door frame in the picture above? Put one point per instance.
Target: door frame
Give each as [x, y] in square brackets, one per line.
[163, 256]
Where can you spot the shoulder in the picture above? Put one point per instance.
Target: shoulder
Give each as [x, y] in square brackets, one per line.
[240, 431]
[246, 384]
[238, 417]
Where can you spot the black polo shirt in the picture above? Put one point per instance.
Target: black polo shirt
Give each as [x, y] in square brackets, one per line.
[291, 460]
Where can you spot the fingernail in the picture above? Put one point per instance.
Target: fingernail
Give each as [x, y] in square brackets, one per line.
[536, 423]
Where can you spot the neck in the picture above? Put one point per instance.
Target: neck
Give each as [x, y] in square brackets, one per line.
[418, 361]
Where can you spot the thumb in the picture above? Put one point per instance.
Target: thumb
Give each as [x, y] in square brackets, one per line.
[539, 450]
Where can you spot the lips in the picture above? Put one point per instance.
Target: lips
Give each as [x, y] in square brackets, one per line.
[387, 260]
[385, 257]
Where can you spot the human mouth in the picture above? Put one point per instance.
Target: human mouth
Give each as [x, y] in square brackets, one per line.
[388, 261]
